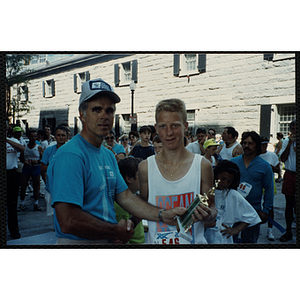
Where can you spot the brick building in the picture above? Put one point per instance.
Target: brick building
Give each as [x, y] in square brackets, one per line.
[249, 91]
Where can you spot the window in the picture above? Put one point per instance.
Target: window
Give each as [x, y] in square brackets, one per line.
[79, 79]
[191, 120]
[23, 93]
[189, 64]
[48, 88]
[37, 59]
[125, 73]
[286, 114]
[268, 56]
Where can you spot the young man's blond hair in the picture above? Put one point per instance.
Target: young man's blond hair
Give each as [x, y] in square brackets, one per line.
[171, 105]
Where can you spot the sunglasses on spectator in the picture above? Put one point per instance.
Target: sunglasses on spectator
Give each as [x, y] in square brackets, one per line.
[109, 137]
[125, 139]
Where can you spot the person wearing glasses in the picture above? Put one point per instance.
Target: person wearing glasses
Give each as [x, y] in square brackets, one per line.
[125, 143]
[211, 134]
[117, 149]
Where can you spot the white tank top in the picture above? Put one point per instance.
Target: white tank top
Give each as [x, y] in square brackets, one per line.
[31, 153]
[226, 153]
[168, 194]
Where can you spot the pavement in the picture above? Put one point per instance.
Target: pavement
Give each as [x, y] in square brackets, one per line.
[36, 228]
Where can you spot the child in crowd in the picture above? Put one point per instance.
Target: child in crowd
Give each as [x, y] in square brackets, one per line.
[129, 170]
[232, 206]
[157, 144]
[144, 149]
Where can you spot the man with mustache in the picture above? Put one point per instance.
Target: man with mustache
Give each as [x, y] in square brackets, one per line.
[256, 175]
[85, 180]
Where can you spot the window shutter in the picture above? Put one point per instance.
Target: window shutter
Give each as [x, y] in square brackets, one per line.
[19, 93]
[134, 70]
[268, 56]
[26, 93]
[75, 82]
[116, 66]
[176, 65]
[202, 63]
[87, 76]
[265, 120]
[52, 88]
[43, 85]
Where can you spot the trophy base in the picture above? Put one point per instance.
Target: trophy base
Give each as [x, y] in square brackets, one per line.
[182, 232]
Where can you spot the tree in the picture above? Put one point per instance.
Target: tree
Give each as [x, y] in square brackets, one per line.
[16, 78]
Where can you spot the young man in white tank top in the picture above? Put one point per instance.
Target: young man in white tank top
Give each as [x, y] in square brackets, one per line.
[231, 148]
[173, 177]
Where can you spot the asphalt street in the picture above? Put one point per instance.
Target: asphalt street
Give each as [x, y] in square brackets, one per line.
[36, 228]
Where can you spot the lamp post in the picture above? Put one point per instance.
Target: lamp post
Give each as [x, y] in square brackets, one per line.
[13, 107]
[132, 88]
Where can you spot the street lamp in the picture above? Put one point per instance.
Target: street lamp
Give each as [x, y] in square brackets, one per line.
[133, 123]
[13, 103]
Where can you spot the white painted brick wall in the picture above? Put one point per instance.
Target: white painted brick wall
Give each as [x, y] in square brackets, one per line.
[229, 93]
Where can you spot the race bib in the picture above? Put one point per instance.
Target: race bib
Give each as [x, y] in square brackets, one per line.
[244, 189]
[169, 238]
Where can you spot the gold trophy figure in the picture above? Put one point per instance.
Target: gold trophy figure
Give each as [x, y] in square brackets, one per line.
[185, 222]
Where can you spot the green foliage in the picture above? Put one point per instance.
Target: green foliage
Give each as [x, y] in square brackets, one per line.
[15, 76]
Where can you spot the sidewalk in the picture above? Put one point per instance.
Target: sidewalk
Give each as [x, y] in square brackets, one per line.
[36, 228]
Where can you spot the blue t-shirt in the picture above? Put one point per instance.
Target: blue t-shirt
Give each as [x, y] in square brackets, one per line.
[118, 148]
[87, 176]
[258, 175]
[47, 157]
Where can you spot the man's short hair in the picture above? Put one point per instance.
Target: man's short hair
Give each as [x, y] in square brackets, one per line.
[61, 127]
[30, 131]
[256, 139]
[171, 105]
[47, 125]
[232, 131]
[201, 130]
[145, 128]
[128, 166]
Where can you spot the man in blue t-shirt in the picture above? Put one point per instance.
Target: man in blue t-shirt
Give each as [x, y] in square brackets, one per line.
[84, 179]
[256, 175]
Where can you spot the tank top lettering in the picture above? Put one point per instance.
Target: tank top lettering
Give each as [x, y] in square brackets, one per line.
[169, 194]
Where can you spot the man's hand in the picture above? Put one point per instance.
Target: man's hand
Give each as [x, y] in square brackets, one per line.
[202, 213]
[126, 231]
[264, 217]
[169, 215]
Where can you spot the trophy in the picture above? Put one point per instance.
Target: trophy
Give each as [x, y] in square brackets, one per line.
[185, 222]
